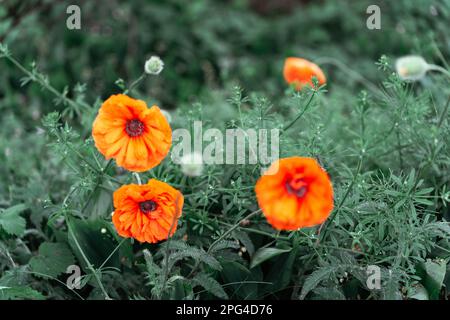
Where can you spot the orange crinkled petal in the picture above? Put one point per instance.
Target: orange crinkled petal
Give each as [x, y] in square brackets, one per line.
[135, 153]
[299, 72]
[130, 221]
[286, 210]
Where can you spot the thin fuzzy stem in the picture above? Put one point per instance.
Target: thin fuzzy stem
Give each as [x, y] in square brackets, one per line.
[256, 231]
[135, 83]
[112, 253]
[249, 216]
[434, 67]
[52, 278]
[323, 234]
[166, 258]
[400, 154]
[350, 72]
[82, 158]
[301, 113]
[138, 178]
[96, 186]
[43, 83]
[444, 113]
[89, 265]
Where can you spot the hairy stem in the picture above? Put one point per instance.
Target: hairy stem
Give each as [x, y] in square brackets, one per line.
[85, 258]
[322, 235]
[234, 227]
[300, 114]
[43, 83]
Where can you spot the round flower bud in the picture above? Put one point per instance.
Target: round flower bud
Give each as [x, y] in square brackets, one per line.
[411, 68]
[192, 164]
[154, 65]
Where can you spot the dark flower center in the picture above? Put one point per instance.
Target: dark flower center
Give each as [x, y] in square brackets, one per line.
[134, 128]
[297, 187]
[148, 206]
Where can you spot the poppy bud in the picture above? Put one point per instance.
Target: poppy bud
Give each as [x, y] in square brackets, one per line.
[192, 164]
[411, 68]
[154, 65]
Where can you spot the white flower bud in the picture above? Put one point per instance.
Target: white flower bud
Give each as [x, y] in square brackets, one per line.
[192, 164]
[411, 68]
[154, 65]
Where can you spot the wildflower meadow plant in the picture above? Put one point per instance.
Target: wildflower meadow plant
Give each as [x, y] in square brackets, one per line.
[321, 182]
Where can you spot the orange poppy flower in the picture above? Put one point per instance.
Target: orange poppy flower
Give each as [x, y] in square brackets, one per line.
[147, 212]
[295, 193]
[136, 136]
[299, 72]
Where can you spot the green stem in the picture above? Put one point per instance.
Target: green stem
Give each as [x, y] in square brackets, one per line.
[322, 235]
[138, 178]
[52, 278]
[444, 113]
[43, 83]
[135, 83]
[112, 253]
[400, 155]
[249, 216]
[301, 113]
[350, 72]
[256, 231]
[434, 67]
[89, 265]
[97, 185]
[166, 258]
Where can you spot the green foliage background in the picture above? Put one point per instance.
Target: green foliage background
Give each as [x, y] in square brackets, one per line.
[384, 143]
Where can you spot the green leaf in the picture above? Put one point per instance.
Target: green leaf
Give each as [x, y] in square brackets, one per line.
[242, 282]
[210, 285]
[264, 254]
[433, 275]
[196, 254]
[316, 278]
[11, 221]
[284, 262]
[390, 285]
[225, 244]
[327, 293]
[97, 241]
[52, 259]
[18, 293]
[418, 293]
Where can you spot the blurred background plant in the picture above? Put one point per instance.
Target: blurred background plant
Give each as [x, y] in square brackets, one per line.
[384, 142]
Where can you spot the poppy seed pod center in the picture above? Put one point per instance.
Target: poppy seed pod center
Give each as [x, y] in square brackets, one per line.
[297, 187]
[148, 206]
[134, 128]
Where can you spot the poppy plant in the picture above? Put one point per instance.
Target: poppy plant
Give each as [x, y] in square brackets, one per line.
[300, 72]
[295, 193]
[136, 136]
[148, 213]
